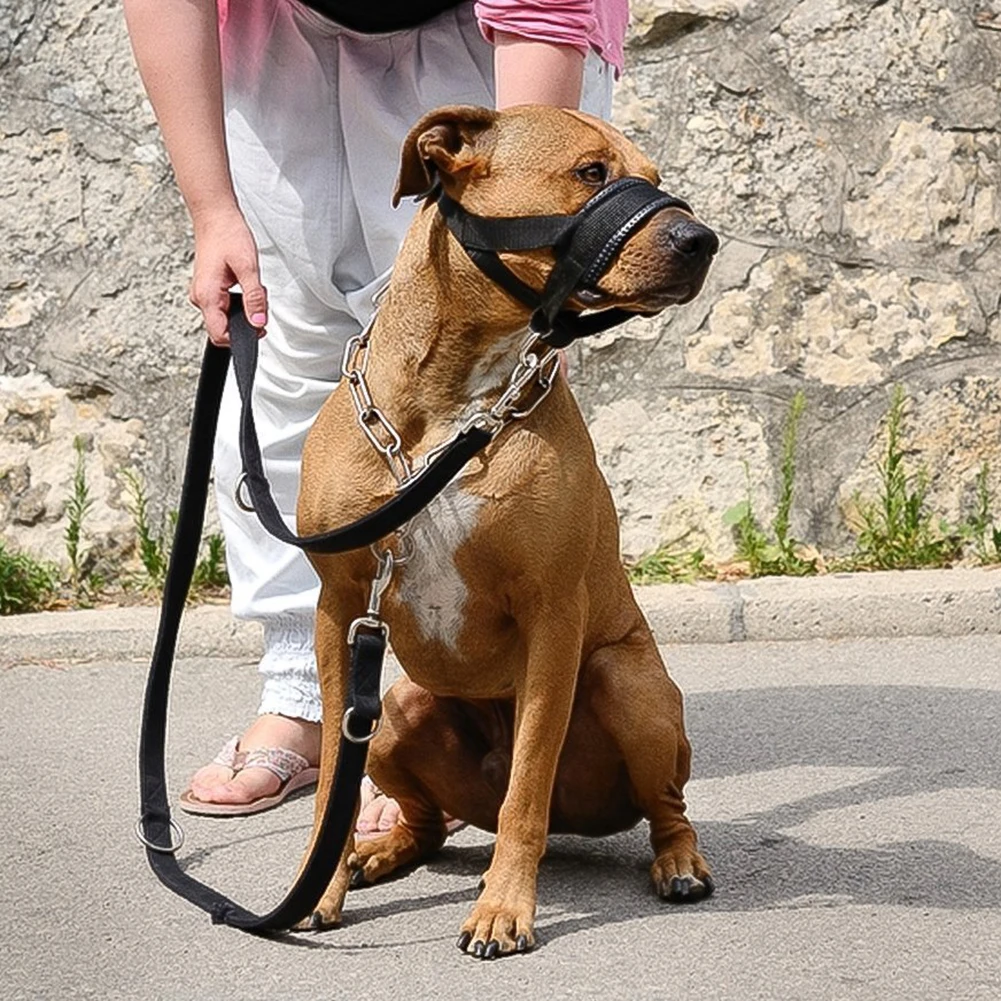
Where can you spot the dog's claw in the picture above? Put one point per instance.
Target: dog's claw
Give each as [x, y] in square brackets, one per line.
[316, 921]
[464, 940]
[357, 880]
[687, 889]
[493, 947]
[478, 949]
[521, 944]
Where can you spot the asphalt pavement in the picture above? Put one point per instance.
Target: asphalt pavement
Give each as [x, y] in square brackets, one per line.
[846, 790]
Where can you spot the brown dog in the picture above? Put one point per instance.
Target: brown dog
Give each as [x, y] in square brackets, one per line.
[536, 699]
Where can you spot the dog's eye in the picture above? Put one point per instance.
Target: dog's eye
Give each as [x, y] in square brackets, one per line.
[594, 174]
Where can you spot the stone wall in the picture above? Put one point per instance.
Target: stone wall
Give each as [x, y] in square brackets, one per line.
[847, 152]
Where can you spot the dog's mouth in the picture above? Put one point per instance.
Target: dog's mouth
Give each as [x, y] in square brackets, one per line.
[666, 269]
[652, 300]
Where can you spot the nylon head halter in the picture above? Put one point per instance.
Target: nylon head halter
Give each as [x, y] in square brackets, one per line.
[585, 244]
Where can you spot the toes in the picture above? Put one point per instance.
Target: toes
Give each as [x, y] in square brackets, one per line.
[378, 815]
[685, 889]
[492, 948]
[317, 922]
[492, 936]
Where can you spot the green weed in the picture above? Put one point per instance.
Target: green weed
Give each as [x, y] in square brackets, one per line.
[78, 507]
[898, 531]
[210, 571]
[153, 546]
[980, 528]
[26, 584]
[777, 553]
[667, 565]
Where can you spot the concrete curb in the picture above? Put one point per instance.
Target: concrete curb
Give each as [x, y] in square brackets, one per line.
[956, 602]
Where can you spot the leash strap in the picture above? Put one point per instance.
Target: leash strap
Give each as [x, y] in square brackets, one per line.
[409, 500]
[155, 826]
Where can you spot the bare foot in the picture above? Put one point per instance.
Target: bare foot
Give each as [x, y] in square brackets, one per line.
[217, 783]
[379, 813]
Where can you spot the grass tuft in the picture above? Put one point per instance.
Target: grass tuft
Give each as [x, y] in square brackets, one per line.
[26, 584]
[898, 531]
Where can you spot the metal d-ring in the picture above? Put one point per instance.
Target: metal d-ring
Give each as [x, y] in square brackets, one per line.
[175, 829]
[243, 505]
[350, 736]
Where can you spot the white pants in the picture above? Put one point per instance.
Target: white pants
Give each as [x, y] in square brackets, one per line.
[315, 117]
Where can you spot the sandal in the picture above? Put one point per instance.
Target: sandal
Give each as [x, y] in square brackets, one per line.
[292, 769]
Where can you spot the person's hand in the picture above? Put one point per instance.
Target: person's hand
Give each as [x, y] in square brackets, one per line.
[226, 254]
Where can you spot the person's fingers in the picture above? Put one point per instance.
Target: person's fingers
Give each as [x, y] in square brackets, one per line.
[226, 254]
[213, 302]
[255, 295]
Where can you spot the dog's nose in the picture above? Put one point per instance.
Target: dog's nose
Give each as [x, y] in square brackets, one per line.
[693, 239]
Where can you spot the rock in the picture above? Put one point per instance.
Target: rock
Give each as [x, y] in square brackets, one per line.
[654, 22]
[674, 471]
[806, 317]
[847, 152]
[936, 186]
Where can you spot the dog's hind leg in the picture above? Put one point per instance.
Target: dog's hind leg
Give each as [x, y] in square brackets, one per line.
[433, 755]
[641, 707]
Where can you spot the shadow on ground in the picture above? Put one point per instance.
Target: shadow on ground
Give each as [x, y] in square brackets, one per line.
[902, 741]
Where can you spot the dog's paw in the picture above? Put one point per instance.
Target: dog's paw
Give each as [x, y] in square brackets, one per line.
[327, 913]
[376, 857]
[682, 879]
[493, 930]
[323, 918]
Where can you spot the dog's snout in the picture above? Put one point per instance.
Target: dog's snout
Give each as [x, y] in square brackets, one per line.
[693, 240]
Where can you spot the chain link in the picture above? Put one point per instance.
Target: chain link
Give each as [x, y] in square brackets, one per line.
[528, 385]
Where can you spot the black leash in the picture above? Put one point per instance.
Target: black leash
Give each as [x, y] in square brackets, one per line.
[156, 829]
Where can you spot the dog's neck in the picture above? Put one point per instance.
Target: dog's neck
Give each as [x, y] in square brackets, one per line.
[454, 344]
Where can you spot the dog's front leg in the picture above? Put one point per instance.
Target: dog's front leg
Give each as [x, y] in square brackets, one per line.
[332, 662]
[503, 918]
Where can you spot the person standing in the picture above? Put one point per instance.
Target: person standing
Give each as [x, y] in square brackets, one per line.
[283, 120]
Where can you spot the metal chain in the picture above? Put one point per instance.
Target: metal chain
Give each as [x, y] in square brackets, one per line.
[377, 427]
[534, 374]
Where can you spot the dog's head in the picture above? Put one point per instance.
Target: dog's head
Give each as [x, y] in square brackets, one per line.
[540, 161]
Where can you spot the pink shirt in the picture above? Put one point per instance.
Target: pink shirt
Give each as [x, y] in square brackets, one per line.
[584, 24]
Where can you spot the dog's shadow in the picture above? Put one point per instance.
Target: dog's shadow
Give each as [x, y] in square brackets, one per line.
[859, 762]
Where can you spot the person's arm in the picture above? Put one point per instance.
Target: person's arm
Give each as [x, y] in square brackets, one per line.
[535, 72]
[176, 45]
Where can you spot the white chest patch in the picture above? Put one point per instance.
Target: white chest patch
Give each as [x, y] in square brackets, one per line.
[493, 368]
[429, 583]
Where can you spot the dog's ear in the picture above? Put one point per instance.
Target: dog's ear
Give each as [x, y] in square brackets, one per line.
[442, 142]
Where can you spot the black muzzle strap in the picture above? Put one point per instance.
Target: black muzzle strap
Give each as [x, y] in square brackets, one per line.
[584, 244]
